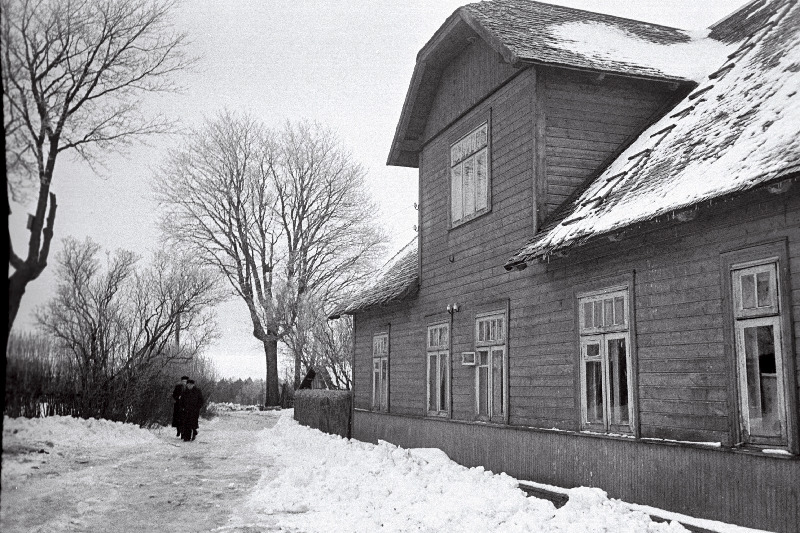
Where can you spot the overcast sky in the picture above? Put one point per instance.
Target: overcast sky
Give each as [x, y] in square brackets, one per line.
[345, 63]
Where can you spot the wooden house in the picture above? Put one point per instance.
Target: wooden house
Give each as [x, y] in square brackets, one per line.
[605, 287]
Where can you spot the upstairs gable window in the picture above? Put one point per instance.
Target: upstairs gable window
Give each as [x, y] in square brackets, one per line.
[469, 175]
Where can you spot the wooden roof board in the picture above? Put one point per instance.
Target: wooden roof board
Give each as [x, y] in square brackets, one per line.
[524, 28]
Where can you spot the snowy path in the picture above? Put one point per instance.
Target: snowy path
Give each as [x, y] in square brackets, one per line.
[162, 485]
[253, 472]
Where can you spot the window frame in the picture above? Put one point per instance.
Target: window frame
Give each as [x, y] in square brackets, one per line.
[485, 121]
[440, 351]
[491, 347]
[733, 263]
[741, 364]
[601, 335]
[380, 384]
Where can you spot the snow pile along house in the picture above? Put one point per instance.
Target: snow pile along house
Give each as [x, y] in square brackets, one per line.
[605, 288]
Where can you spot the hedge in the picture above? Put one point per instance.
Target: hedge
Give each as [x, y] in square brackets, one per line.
[325, 410]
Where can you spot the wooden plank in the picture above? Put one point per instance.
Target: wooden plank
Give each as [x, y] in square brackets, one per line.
[540, 154]
[697, 422]
[604, 143]
[560, 135]
[598, 126]
[677, 407]
[703, 393]
[711, 365]
[682, 380]
[596, 154]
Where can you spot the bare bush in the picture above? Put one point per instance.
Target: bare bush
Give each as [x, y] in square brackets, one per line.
[118, 322]
[39, 378]
[42, 378]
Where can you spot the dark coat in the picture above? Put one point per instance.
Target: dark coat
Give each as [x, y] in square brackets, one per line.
[191, 401]
[176, 409]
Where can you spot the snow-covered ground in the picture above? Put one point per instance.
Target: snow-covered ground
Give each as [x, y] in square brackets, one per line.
[252, 471]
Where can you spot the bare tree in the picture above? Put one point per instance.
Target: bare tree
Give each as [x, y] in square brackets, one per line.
[73, 72]
[118, 321]
[329, 227]
[218, 204]
[281, 214]
[328, 344]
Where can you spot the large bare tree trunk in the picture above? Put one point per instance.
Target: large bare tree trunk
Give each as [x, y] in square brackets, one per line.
[39, 242]
[297, 370]
[16, 289]
[271, 352]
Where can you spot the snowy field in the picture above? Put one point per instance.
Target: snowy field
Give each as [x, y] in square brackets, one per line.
[251, 471]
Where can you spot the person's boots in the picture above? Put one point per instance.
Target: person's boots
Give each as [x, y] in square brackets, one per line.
[194, 433]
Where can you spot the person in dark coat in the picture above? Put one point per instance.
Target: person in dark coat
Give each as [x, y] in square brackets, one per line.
[176, 409]
[191, 401]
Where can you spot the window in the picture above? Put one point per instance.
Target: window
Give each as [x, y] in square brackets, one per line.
[438, 362]
[490, 367]
[380, 372]
[605, 360]
[759, 353]
[469, 175]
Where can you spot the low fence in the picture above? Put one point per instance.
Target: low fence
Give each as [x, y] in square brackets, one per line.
[325, 410]
[41, 405]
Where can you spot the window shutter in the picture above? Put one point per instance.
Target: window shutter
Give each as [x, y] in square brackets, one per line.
[469, 186]
[456, 193]
[482, 182]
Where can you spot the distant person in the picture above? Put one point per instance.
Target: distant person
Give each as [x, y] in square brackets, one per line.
[191, 401]
[177, 392]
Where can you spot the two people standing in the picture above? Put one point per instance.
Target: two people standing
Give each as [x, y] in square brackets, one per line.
[186, 411]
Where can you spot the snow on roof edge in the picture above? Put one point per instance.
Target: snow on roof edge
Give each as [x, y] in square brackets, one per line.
[721, 151]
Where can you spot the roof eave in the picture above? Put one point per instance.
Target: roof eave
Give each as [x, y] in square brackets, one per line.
[431, 59]
[409, 292]
[678, 81]
[518, 262]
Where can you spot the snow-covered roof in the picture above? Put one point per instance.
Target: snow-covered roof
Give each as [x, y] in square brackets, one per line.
[523, 32]
[557, 35]
[397, 280]
[739, 129]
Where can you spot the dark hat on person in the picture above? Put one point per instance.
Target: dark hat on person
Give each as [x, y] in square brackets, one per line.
[185, 377]
[191, 381]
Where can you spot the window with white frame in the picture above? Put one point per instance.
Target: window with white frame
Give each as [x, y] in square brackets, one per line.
[605, 359]
[438, 363]
[380, 372]
[759, 354]
[469, 175]
[490, 367]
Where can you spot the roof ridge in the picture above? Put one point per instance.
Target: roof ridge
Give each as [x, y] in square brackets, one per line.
[577, 9]
[402, 251]
[735, 12]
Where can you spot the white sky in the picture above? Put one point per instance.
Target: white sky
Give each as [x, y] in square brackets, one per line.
[345, 63]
